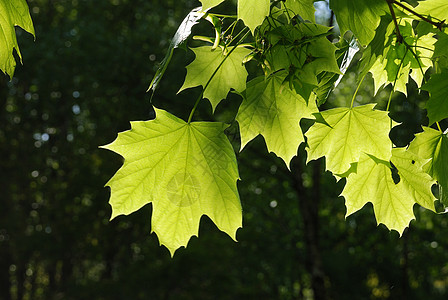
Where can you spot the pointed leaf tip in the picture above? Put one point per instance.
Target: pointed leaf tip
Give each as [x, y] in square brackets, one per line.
[184, 170]
[231, 74]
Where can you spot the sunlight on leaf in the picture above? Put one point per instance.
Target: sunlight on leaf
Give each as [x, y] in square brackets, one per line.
[253, 12]
[231, 74]
[184, 170]
[12, 13]
[392, 204]
[274, 111]
[343, 134]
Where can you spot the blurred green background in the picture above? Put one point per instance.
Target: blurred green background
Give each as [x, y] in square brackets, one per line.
[83, 80]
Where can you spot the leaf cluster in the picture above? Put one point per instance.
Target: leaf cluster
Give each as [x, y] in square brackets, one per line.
[188, 169]
[300, 67]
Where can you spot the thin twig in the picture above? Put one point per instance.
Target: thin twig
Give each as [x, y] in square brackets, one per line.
[438, 25]
[394, 17]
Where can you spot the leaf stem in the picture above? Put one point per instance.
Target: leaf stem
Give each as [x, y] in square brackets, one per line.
[216, 71]
[417, 58]
[438, 126]
[357, 89]
[395, 80]
[223, 16]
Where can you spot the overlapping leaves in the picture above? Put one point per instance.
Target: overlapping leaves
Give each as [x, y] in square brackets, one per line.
[393, 203]
[303, 50]
[252, 12]
[194, 165]
[432, 145]
[398, 60]
[343, 134]
[359, 16]
[437, 106]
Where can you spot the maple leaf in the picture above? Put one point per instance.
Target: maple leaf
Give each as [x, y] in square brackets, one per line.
[274, 111]
[184, 169]
[432, 145]
[375, 49]
[12, 13]
[342, 134]
[437, 106]
[253, 12]
[359, 16]
[312, 52]
[373, 182]
[303, 8]
[231, 72]
[304, 51]
[441, 50]
[206, 4]
[434, 8]
[398, 61]
[416, 182]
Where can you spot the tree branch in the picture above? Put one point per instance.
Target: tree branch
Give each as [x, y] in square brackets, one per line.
[438, 25]
[394, 17]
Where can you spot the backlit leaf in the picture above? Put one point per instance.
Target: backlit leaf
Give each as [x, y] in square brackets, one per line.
[416, 182]
[399, 61]
[392, 204]
[206, 4]
[342, 134]
[253, 12]
[432, 145]
[359, 16]
[231, 72]
[274, 111]
[434, 8]
[12, 13]
[303, 8]
[184, 170]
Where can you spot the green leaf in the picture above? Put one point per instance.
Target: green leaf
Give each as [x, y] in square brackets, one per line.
[441, 50]
[206, 4]
[359, 16]
[343, 134]
[274, 111]
[434, 8]
[253, 12]
[375, 49]
[304, 46]
[328, 80]
[398, 61]
[185, 170]
[12, 13]
[392, 204]
[416, 182]
[304, 51]
[437, 106]
[432, 145]
[303, 8]
[231, 72]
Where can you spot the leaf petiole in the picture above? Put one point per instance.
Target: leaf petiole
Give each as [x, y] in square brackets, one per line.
[357, 89]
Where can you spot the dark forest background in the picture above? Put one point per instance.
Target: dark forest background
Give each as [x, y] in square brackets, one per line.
[83, 80]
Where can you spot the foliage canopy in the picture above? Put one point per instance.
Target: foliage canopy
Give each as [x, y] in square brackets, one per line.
[188, 169]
